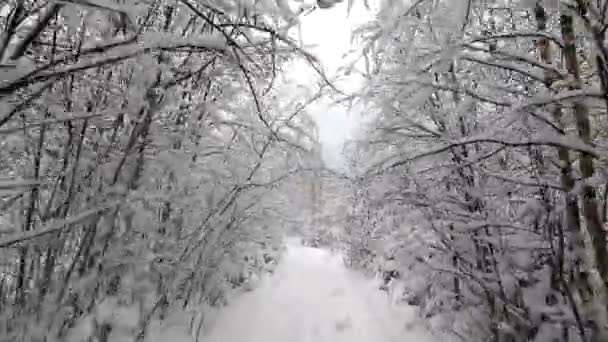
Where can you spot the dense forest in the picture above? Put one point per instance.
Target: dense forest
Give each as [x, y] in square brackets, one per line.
[144, 153]
[488, 149]
[155, 153]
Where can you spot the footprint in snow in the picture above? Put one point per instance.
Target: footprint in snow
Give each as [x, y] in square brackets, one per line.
[343, 324]
[336, 292]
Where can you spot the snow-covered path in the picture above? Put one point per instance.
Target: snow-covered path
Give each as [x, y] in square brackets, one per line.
[312, 297]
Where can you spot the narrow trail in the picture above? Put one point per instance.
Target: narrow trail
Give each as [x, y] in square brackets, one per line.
[312, 297]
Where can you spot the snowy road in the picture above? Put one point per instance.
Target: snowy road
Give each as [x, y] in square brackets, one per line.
[312, 297]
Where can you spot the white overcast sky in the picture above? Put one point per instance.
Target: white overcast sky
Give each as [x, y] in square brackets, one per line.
[330, 31]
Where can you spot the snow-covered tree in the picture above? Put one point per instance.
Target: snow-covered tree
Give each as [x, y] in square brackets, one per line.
[491, 121]
[143, 146]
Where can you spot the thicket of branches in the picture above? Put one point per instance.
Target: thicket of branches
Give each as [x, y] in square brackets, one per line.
[140, 158]
[491, 123]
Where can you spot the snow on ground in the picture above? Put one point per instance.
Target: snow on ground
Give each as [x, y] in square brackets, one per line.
[312, 297]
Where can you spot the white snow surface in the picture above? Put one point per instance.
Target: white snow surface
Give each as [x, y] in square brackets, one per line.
[313, 297]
